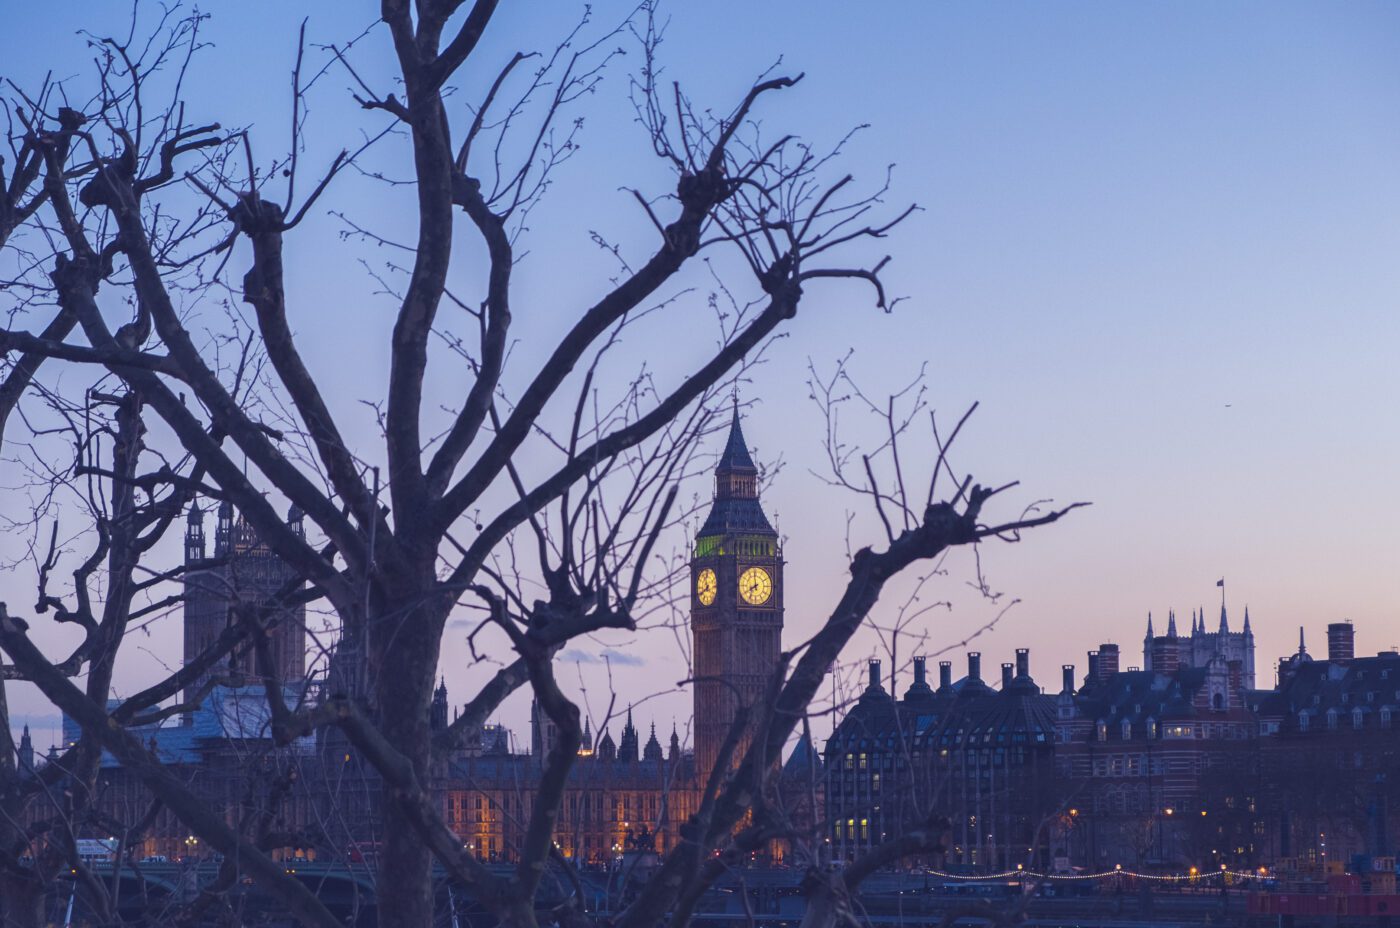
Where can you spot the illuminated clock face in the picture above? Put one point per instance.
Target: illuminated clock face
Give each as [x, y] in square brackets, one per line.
[755, 586]
[706, 586]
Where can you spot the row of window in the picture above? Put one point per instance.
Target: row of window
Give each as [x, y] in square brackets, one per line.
[1332, 717]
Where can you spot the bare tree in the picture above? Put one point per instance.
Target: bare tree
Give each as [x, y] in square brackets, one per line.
[128, 200]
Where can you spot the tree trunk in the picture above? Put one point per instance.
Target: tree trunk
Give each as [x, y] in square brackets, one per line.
[21, 901]
[405, 664]
[828, 902]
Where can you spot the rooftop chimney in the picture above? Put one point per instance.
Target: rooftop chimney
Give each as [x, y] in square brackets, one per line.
[1093, 666]
[974, 665]
[1023, 662]
[919, 688]
[1341, 641]
[1006, 675]
[1067, 675]
[874, 675]
[1108, 660]
[945, 674]
[1236, 670]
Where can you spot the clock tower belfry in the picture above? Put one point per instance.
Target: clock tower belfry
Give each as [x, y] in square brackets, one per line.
[736, 603]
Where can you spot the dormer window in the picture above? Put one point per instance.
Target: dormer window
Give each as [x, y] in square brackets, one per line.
[1303, 720]
[1127, 730]
[1385, 716]
[1357, 717]
[1332, 719]
[1103, 731]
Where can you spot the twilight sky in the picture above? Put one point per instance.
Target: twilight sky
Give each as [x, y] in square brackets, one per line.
[1159, 245]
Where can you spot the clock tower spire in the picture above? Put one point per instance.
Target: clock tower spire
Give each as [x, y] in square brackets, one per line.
[736, 613]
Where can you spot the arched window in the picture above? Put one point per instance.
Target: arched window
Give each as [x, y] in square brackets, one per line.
[1303, 720]
[1332, 719]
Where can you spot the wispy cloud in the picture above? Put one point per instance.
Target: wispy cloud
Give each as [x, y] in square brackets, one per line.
[608, 655]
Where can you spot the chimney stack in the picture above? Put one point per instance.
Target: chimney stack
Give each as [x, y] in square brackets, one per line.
[1093, 666]
[1023, 662]
[920, 673]
[1067, 677]
[1166, 655]
[974, 665]
[874, 675]
[1341, 641]
[945, 675]
[1108, 660]
[1006, 675]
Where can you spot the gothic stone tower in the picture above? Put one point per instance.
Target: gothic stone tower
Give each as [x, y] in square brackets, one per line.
[242, 572]
[736, 606]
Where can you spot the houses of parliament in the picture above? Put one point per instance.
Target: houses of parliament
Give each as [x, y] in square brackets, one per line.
[625, 792]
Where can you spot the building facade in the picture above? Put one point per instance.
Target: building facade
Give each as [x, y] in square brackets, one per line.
[977, 759]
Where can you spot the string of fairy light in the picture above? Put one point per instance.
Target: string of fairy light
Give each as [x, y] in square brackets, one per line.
[1117, 872]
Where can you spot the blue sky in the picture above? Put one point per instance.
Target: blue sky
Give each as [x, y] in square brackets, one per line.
[1158, 245]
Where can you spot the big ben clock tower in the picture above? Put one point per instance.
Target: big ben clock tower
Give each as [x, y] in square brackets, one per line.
[736, 603]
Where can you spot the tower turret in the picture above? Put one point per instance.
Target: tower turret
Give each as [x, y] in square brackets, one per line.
[437, 713]
[1147, 644]
[223, 530]
[26, 753]
[627, 750]
[653, 749]
[194, 534]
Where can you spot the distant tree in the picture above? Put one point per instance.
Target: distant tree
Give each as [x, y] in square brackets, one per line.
[125, 207]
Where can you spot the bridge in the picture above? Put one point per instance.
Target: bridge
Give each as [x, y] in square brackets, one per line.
[765, 898]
